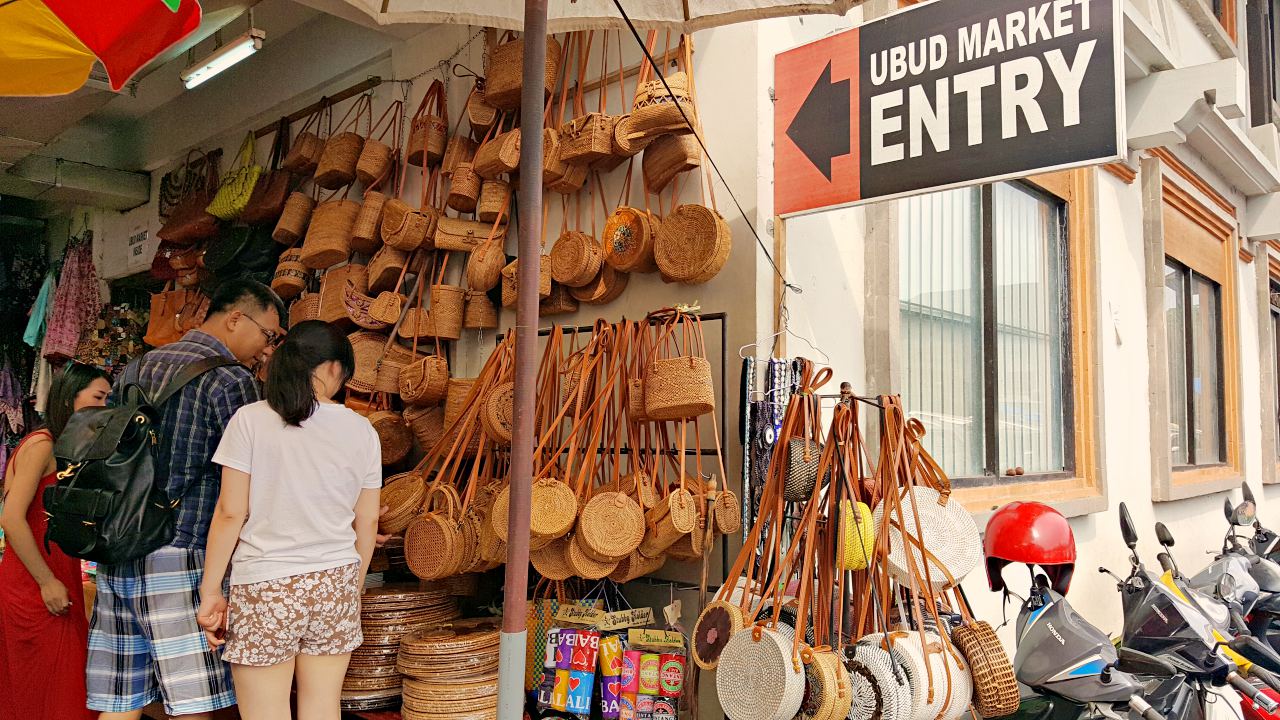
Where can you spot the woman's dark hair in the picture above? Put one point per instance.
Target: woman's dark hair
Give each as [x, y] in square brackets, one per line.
[62, 393]
[308, 345]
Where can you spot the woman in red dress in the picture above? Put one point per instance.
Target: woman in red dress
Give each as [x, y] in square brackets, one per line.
[44, 632]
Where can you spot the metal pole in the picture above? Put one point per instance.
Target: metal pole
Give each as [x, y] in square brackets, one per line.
[512, 650]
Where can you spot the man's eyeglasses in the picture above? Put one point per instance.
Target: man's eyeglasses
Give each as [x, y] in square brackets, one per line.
[273, 337]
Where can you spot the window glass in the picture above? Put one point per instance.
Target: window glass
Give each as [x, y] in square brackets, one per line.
[1175, 331]
[984, 328]
[1206, 382]
[940, 289]
[1030, 307]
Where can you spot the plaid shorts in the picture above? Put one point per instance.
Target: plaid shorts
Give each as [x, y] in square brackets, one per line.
[144, 642]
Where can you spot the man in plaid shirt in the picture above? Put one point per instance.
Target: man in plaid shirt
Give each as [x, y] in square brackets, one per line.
[144, 643]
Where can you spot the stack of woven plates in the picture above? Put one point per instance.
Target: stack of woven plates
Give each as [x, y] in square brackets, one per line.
[387, 614]
[451, 673]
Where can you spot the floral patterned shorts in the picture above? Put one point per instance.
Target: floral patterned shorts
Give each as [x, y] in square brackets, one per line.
[316, 613]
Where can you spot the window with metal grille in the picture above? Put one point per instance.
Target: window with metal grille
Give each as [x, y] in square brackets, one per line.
[985, 330]
[1193, 325]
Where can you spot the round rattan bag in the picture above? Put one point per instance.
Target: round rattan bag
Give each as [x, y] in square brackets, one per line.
[692, 244]
[757, 678]
[433, 542]
[994, 682]
[945, 528]
[879, 685]
[611, 526]
[717, 622]
[496, 413]
[402, 496]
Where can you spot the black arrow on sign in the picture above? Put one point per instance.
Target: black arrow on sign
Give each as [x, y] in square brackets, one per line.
[821, 128]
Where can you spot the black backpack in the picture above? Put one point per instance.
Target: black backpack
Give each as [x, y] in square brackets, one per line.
[106, 505]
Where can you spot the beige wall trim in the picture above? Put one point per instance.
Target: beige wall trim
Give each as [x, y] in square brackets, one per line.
[1151, 175]
[1266, 366]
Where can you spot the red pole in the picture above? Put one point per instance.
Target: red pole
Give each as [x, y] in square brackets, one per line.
[512, 651]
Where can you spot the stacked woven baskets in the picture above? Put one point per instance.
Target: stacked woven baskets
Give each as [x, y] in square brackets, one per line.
[451, 672]
[387, 614]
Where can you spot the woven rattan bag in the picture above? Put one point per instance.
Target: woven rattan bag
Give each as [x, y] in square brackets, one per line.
[429, 127]
[292, 225]
[377, 158]
[994, 683]
[692, 244]
[756, 659]
[305, 149]
[503, 83]
[432, 542]
[393, 434]
[678, 384]
[337, 166]
[328, 240]
[479, 313]
[456, 234]
[291, 275]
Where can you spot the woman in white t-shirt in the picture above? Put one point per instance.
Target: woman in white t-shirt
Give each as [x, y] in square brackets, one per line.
[296, 520]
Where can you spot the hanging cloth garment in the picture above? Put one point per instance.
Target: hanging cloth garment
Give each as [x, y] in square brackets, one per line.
[41, 383]
[10, 401]
[76, 303]
[39, 319]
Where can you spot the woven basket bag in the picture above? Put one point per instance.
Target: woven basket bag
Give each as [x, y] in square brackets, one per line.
[479, 312]
[292, 224]
[393, 434]
[337, 166]
[717, 622]
[425, 381]
[484, 265]
[802, 469]
[675, 515]
[385, 268]
[551, 561]
[611, 526]
[497, 413]
[432, 543]
[366, 232]
[458, 235]
[994, 682]
[576, 258]
[628, 240]
[727, 513]
[461, 149]
[657, 111]
[588, 138]
[509, 287]
[328, 240]
[858, 529]
[757, 677]
[498, 155]
[692, 244]
[678, 388]
[367, 347]
[291, 275]
[377, 157]
[627, 141]
[583, 564]
[402, 495]
[668, 157]
[404, 228]
[304, 152]
[426, 424]
[604, 288]
[428, 128]
[495, 197]
[503, 83]
[464, 188]
[559, 302]
[448, 304]
[304, 308]
[635, 566]
[393, 360]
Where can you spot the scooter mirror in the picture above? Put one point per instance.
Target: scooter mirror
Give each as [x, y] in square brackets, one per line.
[1127, 530]
[1163, 536]
[1248, 493]
[1226, 587]
[1244, 514]
[1229, 510]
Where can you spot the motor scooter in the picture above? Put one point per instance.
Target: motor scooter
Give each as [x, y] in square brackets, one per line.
[1161, 619]
[1070, 670]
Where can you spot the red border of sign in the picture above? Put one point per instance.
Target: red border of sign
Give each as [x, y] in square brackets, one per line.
[798, 185]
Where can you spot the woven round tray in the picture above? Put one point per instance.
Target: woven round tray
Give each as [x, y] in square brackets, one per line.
[361, 700]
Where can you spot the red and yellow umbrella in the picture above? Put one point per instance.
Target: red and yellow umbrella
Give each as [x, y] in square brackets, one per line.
[48, 47]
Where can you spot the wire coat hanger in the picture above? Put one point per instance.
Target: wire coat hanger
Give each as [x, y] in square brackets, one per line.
[786, 329]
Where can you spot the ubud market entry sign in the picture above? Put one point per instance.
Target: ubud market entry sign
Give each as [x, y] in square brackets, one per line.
[947, 93]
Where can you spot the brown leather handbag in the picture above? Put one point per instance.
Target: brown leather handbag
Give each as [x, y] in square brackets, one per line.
[190, 221]
[266, 203]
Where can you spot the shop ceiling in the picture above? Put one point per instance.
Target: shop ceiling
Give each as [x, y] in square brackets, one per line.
[90, 147]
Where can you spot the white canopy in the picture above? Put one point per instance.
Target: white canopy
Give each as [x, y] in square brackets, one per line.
[566, 15]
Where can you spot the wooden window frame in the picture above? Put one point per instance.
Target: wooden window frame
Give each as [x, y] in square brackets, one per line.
[1271, 357]
[1185, 222]
[1084, 490]
[1260, 30]
[1188, 277]
[1225, 12]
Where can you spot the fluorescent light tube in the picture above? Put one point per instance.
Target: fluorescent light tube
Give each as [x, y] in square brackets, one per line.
[223, 58]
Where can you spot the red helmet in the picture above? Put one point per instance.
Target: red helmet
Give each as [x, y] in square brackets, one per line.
[1031, 533]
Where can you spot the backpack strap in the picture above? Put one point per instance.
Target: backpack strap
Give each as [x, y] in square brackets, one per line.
[187, 374]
